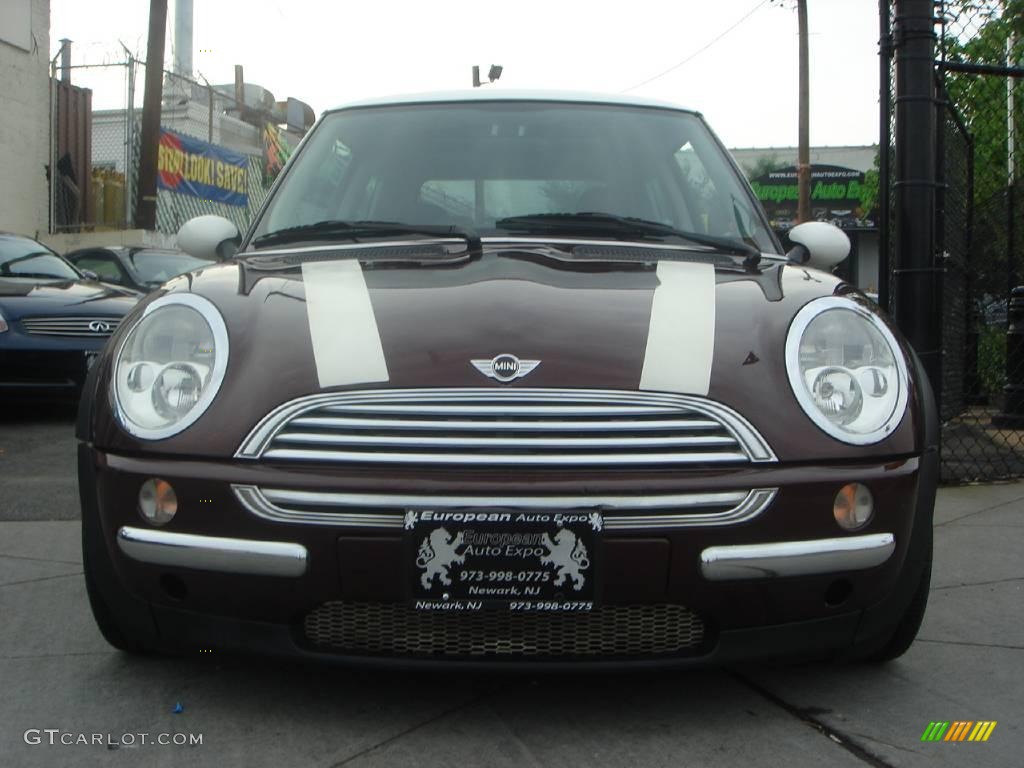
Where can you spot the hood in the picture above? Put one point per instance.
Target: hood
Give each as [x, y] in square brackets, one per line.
[23, 297]
[329, 323]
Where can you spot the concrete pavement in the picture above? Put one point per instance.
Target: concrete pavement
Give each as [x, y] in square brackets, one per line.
[56, 672]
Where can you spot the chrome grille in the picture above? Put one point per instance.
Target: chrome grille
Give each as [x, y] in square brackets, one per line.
[610, 631]
[90, 327]
[620, 512]
[523, 427]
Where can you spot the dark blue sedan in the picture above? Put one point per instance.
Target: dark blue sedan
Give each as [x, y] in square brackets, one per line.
[53, 320]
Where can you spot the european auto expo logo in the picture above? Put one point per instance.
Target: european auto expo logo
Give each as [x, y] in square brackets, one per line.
[958, 730]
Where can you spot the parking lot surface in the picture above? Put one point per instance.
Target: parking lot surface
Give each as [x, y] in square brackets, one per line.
[58, 675]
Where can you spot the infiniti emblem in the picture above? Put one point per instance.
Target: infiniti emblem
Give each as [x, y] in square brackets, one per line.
[99, 326]
[505, 367]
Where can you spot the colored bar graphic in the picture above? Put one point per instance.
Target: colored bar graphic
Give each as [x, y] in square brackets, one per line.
[982, 730]
[935, 731]
[958, 730]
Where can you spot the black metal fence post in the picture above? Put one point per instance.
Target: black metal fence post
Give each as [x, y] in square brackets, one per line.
[916, 275]
[884, 144]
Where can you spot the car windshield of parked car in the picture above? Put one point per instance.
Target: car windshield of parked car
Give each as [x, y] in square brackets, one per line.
[479, 164]
[27, 258]
[160, 266]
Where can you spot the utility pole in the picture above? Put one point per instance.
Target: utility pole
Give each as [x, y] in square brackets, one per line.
[145, 204]
[803, 168]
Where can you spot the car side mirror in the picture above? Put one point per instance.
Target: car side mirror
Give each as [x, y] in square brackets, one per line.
[819, 243]
[89, 274]
[209, 237]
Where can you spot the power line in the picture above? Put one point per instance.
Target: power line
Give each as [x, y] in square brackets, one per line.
[697, 53]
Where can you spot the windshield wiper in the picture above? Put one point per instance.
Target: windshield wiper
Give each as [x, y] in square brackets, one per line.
[605, 223]
[37, 276]
[331, 228]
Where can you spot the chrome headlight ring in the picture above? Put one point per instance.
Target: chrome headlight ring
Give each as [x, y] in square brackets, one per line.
[856, 393]
[164, 391]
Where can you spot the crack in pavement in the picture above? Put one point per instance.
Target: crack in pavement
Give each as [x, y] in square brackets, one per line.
[806, 717]
[407, 731]
[880, 741]
[41, 578]
[58, 655]
[4, 555]
[975, 645]
[977, 583]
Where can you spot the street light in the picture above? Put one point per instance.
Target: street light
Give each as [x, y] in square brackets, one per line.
[492, 74]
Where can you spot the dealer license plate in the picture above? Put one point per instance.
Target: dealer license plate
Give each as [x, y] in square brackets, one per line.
[507, 560]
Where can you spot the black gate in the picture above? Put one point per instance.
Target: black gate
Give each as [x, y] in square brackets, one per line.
[970, 105]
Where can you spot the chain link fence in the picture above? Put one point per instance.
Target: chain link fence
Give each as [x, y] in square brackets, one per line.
[979, 226]
[979, 50]
[90, 147]
[201, 111]
[95, 147]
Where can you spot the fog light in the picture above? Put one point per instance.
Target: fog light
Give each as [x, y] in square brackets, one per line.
[853, 507]
[157, 501]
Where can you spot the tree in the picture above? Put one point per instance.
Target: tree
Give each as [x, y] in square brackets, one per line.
[869, 190]
[980, 32]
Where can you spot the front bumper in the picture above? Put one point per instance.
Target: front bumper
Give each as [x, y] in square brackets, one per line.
[764, 586]
[50, 367]
[213, 553]
[288, 559]
[780, 559]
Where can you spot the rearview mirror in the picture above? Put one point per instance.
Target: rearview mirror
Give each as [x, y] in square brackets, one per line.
[209, 237]
[821, 244]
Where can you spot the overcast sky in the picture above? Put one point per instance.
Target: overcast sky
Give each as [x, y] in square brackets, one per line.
[328, 52]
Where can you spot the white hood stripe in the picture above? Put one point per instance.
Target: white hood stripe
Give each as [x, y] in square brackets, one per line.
[681, 337]
[346, 342]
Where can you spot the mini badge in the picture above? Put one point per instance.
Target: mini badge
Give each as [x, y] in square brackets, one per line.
[505, 367]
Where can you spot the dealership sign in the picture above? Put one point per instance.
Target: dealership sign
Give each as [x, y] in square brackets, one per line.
[836, 195]
[193, 167]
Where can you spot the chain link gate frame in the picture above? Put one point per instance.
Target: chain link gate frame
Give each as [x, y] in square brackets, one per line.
[978, 225]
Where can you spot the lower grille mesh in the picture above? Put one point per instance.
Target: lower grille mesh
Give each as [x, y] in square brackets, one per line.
[395, 629]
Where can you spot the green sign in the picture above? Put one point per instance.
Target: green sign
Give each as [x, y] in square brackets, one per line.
[836, 194]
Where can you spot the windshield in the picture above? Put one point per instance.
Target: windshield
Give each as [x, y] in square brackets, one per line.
[160, 266]
[474, 164]
[21, 257]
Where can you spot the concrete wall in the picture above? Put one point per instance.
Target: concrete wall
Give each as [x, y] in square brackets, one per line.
[24, 116]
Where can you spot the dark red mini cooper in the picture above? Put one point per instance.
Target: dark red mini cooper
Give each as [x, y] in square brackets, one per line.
[509, 378]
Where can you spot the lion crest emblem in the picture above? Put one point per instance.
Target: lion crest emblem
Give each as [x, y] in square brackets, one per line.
[569, 556]
[437, 554]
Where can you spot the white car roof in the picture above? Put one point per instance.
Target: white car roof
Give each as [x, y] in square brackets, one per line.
[504, 94]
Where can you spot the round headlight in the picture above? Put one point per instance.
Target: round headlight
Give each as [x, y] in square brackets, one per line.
[847, 370]
[170, 366]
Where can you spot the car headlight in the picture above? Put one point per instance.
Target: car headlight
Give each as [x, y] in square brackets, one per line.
[847, 370]
[170, 366]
